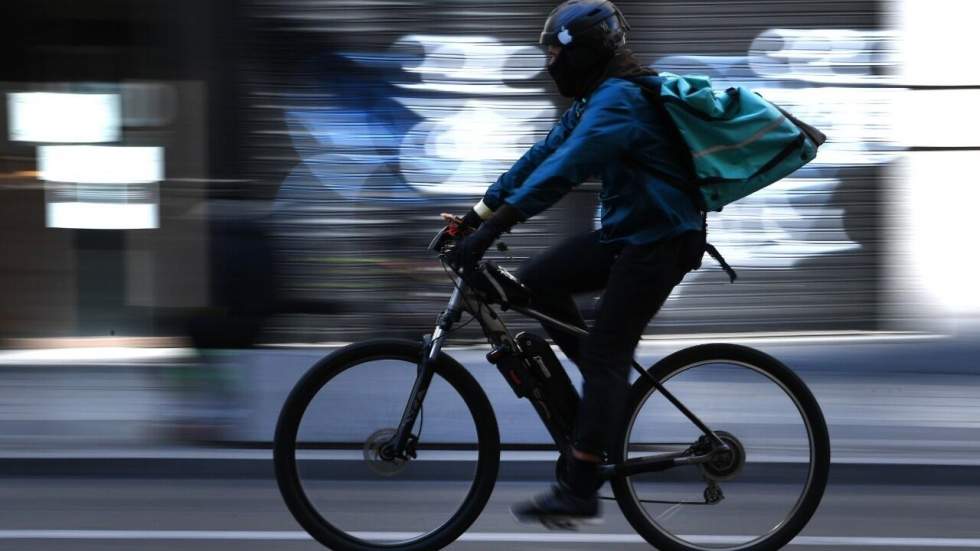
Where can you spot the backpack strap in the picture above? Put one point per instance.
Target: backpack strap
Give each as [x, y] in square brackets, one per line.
[713, 252]
[688, 186]
[653, 95]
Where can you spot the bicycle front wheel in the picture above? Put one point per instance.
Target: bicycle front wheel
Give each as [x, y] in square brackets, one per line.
[755, 498]
[329, 461]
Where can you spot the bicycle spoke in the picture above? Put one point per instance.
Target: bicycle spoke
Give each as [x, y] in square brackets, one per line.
[336, 455]
[751, 488]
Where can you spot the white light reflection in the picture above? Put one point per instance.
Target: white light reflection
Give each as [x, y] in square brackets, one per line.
[937, 118]
[939, 41]
[943, 192]
[464, 145]
[471, 64]
[63, 118]
[469, 133]
[116, 166]
[90, 164]
[767, 230]
[92, 354]
[830, 56]
[103, 216]
[859, 122]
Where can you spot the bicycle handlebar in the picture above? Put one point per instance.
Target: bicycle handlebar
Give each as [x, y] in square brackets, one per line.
[446, 239]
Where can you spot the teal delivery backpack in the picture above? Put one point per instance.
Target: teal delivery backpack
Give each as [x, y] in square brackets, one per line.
[739, 142]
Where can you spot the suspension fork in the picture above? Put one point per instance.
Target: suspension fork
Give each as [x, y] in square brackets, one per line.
[431, 347]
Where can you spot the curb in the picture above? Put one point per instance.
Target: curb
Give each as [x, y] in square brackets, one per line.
[259, 465]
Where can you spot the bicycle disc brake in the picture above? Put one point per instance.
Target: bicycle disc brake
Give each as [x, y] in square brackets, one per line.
[373, 456]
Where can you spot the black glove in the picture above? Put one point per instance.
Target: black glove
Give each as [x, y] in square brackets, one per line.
[472, 220]
[471, 248]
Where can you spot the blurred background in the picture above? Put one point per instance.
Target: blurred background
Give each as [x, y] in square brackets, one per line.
[199, 199]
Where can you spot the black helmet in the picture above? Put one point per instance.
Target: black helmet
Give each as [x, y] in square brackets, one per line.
[596, 23]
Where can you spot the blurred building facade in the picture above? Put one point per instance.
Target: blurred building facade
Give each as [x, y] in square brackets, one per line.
[303, 151]
[87, 253]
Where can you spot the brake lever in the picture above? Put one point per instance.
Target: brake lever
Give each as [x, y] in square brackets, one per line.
[436, 245]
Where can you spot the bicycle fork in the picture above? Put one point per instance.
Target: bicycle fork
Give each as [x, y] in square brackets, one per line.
[432, 346]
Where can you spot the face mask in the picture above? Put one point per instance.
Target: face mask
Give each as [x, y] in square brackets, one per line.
[577, 71]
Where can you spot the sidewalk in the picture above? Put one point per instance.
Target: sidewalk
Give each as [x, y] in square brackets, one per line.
[894, 399]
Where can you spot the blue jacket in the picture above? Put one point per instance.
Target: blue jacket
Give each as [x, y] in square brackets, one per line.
[618, 135]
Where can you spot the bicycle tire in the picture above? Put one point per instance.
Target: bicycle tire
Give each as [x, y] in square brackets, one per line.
[810, 409]
[284, 451]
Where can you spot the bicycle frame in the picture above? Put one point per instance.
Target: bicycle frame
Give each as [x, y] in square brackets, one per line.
[464, 299]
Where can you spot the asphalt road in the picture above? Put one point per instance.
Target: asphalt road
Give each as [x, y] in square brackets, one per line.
[910, 512]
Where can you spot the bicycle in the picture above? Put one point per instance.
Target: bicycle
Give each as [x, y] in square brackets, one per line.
[710, 461]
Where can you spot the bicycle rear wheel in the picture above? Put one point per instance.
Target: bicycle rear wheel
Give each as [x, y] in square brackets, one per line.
[328, 458]
[756, 498]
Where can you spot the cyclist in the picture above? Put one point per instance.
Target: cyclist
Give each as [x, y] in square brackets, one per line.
[651, 235]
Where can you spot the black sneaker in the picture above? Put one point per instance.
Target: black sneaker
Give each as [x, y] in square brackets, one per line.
[559, 509]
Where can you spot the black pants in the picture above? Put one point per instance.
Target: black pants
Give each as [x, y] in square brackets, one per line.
[637, 280]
